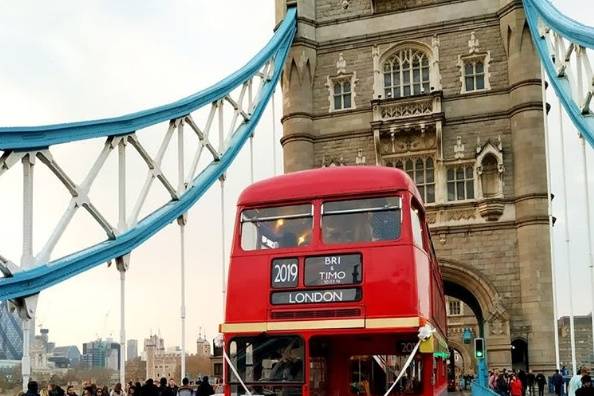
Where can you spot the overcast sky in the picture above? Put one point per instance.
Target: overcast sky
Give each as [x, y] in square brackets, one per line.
[72, 60]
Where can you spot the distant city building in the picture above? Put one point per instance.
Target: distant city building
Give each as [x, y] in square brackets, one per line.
[160, 362]
[202, 346]
[101, 354]
[131, 349]
[11, 334]
[40, 347]
[70, 352]
[583, 341]
[152, 346]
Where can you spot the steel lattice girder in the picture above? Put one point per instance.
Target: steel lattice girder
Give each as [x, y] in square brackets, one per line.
[578, 35]
[44, 275]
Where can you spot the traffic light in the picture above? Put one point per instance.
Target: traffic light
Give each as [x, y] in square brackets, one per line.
[479, 348]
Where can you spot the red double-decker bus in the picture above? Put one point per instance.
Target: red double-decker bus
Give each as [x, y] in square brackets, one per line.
[332, 274]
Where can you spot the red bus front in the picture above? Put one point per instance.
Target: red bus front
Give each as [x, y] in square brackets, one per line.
[326, 294]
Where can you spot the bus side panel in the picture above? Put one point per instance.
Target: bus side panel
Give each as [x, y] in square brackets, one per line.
[248, 278]
[390, 288]
[423, 281]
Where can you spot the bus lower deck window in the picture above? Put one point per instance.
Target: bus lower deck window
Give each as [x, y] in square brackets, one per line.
[274, 228]
[361, 220]
[267, 360]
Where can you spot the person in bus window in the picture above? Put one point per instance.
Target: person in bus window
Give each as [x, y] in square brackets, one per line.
[287, 239]
[290, 366]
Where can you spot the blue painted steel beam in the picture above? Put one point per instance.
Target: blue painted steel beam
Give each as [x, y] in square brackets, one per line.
[41, 277]
[23, 138]
[573, 31]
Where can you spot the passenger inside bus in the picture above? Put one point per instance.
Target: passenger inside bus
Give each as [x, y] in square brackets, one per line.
[290, 366]
[279, 227]
[361, 220]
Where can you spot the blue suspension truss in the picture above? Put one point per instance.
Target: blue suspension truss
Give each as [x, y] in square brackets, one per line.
[545, 21]
[13, 139]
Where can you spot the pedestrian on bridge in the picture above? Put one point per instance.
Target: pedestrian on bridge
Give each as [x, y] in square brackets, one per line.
[32, 389]
[558, 382]
[205, 389]
[575, 382]
[515, 386]
[530, 381]
[586, 389]
[524, 380]
[117, 390]
[164, 389]
[501, 385]
[185, 389]
[541, 381]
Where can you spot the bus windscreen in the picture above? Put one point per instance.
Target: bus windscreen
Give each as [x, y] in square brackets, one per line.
[361, 220]
[277, 227]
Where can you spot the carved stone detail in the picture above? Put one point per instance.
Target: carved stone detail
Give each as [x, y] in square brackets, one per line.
[300, 67]
[498, 318]
[341, 76]
[461, 214]
[332, 162]
[489, 169]
[360, 158]
[473, 43]
[405, 109]
[474, 55]
[340, 65]
[491, 209]
[459, 148]
[436, 75]
[405, 142]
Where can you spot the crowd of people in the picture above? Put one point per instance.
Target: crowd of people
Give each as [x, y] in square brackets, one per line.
[517, 383]
[201, 387]
[520, 383]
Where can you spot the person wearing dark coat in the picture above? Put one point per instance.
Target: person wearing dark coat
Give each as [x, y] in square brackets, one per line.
[32, 389]
[205, 389]
[164, 389]
[558, 382]
[541, 381]
[530, 382]
[149, 388]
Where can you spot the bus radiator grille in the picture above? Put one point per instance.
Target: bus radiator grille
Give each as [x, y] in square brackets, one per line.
[311, 314]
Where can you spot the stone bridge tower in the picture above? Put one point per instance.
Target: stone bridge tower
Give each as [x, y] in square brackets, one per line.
[449, 91]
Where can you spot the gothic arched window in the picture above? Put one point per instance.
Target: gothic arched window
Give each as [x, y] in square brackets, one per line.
[406, 73]
[422, 171]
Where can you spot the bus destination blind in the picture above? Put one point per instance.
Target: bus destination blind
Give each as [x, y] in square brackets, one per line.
[316, 296]
[340, 269]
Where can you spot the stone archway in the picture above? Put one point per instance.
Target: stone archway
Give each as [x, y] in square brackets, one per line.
[478, 292]
[467, 358]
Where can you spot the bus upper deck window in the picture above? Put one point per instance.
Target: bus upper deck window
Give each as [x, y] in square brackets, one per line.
[361, 220]
[279, 227]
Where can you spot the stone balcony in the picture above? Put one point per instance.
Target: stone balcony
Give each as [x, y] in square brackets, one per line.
[417, 108]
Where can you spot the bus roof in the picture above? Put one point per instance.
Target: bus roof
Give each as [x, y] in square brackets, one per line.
[327, 182]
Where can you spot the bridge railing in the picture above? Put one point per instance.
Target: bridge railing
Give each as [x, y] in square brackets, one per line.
[481, 390]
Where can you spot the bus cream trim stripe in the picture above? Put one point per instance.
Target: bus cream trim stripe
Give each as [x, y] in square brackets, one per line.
[380, 323]
[257, 327]
[318, 324]
[392, 322]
